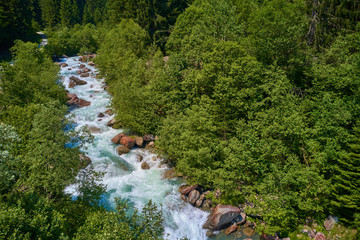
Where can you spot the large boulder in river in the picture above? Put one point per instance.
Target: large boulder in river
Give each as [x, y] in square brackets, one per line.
[118, 138]
[122, 150]
[145, 166]
[77, 81]
[221, 217]
[111, 122]
[64, 65]
[193, 197]
[83, 103]
[128, 142]
[85, 75]
[139, 141]
[91, 63]
[185, 190]
[86, 70]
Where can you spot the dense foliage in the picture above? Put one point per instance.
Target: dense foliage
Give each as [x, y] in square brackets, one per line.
[244, 103]
[259, 99]
[36, 165]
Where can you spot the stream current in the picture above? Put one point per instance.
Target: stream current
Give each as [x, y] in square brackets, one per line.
[123, 174]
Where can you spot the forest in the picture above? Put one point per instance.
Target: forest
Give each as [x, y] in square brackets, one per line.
[257, 98]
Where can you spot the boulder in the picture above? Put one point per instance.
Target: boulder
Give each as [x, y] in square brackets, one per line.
[78, 72]
[184, 189]
[83, 103]
[101, 115]
[169, 174]
[77, 81]
[210, 233]
[86, 70]
[240, 219]
[85, 75]
[128, 142]
[249, 232]
[151, 144]
[139, 141]
[183, 197]
[93, 129]
[64, 65]
[85, 160]
[200, 201]
[149, 138]
[231, 229]
[207, 203]
[248, 224]
[82, 66]
[73, 99]
[109, 112]
[118, 138]
[111, 122]
[320, 236]
[145, 166]
[72, 84]
[194, 195]
[122, 150]
[330, 222]
[221, 217]
[91, 63]
[69, 69]
[139, 157]
[80, 59]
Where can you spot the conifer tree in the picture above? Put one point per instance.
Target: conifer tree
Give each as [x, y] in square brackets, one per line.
[66, 13]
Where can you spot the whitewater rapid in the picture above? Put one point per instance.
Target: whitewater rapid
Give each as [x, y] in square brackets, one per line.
[123, 174]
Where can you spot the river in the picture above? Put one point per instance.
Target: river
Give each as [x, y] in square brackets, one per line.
[123, 174]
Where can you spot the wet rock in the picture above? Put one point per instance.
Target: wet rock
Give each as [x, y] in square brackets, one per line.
[111, 122]
[122, 150]
[231, 229]
[149, 138]
[69, 69]
[248, 224]
[101, 115]
[93, 129]
[330, 222]
[128, 142]
[169, 174]
[85, 160]
[139, 141]
[91, 63]
[320, 236]
[109, 112]
[82, 66]
[78, 72]
[183, 197]
[145, 166]
[83, 103]
[64, 65]
[118, 138]
[154, 158]
[139, 157]
[200, 201]
[184, 189]
[77, 81]
[86, 70]
[249, 231]
[207, 203]
[71, 84]
[210, 233]
[85, 75]
[240, 219]
[221, 217]
[194, 195]
[151, 144]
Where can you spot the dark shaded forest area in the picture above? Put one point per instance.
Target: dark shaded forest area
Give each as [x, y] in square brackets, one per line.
[259, 99]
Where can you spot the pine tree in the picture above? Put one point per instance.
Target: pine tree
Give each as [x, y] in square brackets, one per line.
[65, 13]
[346, 183]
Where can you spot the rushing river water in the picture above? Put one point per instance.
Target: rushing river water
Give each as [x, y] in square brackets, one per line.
[123, 174]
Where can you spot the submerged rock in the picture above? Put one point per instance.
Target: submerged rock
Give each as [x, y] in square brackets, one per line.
[122, 150]
[145, 166]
